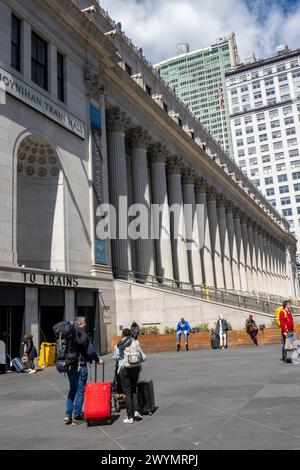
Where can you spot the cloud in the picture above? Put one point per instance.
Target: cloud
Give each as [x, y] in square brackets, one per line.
[159, 25]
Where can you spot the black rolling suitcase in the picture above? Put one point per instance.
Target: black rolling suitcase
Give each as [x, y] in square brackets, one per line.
[146, 397]
[214, 343]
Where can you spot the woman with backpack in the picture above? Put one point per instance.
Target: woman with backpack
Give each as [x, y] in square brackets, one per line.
[129, 356]
[30, 352]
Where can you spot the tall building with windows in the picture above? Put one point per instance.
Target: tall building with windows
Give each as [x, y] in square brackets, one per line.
[198, 78]
[264, 103]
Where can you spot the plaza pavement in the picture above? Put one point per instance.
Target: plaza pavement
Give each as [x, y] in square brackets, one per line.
[242, 398]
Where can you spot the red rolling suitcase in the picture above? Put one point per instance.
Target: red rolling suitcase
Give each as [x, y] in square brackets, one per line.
[97, 401]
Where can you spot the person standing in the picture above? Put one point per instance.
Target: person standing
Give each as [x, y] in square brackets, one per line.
[252, 329]
[78, 372]
[222, 330]
[184, 328]
[129, 356]
[30, 351]
[287, 326]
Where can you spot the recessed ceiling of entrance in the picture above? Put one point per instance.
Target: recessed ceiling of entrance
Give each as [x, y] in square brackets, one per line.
[37, 158]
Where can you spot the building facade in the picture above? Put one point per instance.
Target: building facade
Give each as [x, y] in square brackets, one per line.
[84, 121]
[198, 78]
[264, 100]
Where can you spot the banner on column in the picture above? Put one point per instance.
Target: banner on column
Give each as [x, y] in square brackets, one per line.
[98, 181]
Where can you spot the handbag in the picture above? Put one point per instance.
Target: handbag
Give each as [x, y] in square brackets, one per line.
[24, 359]
[288, 346]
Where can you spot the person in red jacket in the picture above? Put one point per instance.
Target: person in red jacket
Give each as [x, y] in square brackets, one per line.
[287, 325]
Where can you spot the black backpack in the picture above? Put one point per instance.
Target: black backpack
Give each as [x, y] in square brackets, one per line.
[66, 354]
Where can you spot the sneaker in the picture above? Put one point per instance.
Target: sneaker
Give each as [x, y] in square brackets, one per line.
[68, 419]
[32, 371]
[77, 421]
[128, 420]
[138, 416]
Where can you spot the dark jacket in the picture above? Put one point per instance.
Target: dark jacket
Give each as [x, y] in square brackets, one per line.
[135, 330]
[30, 349]
[84, 347]
[224, 326]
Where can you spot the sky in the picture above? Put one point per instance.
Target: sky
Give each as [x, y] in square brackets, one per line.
[159, 25]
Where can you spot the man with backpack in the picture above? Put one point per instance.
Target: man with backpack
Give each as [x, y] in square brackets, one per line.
[129, 356]
[286, 321]
[74, 349]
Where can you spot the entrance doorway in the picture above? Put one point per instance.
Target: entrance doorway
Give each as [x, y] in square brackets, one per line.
[49, 316]
[12, 329]
[87, 306]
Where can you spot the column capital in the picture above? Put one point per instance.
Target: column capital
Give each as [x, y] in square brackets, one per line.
[94, 84]
[221, 201]
[117, 120]
[138, 138]
[189, 176]
[237, 213]
[201, 186]
[158, 153]
[174, 165]
[212, 194]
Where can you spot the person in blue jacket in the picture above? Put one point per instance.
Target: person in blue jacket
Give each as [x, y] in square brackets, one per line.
[183, 327]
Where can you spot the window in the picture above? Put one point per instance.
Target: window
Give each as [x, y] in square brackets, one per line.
[262, 127]
[268, 72]
[295, 164]
[250, 140]
[261, 117]
[293, 153]
[264, 148]
[282, 78]
[60, 77]
[297, 187]
[237, 122]
[252, 151]
[271, 102]
[270, 192]
[267, 170]
[165, 107]
[39, 61]
[234, 92]
[272, 202]
[273, 114]
[297, 199]
[254, 172]
[241, 153]
[294, 64]
[279, 156]
[257, 96]
[269, 82]
[276, 135]
[291, 131]
[287, 212]
[253, 161]
[281, 167]
[239, 143]
[266, 159]
[271, 92]
[281, 68]
[249, 130]
[248, 119]
[287, 110]
[148, 90]
[288, 121]
[285, 201]
[292, 142]
[269, 181]
[282, 178]
[284, 189]
[263, 137]
[296, 176]
[244, 89]
[238, 132]
[275, 124]
[128, 69]
[256, 85]
[278, 145]
[180, 122]
[16, 43]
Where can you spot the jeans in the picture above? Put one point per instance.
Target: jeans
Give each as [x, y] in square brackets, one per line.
[178, 336]
[129, 379]
[78, 380]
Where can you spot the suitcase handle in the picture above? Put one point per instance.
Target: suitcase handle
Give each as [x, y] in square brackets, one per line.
[103, 369]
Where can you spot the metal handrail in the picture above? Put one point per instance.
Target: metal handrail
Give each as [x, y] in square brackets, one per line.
[201, 291]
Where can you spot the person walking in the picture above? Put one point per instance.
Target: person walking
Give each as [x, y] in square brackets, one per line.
[30, 352]
[184, 328]
[128, 355]
[287, 326]
[135, 330]
[252, 329]
[78, 372]
[222, 330]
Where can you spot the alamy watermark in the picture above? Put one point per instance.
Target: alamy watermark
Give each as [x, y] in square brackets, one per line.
[156, 222]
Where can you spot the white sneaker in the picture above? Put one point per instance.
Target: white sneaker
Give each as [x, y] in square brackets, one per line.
[128, 420]
[32, 371]
[138, 416]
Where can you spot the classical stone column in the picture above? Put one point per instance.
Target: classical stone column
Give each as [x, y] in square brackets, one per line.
[215, 239]
[264, 284]
[289, 274]
[164, 264]
[233, 249]
[117, 122]
[224, 241]
[272, 267]
[180, 260]
[240, 250]
[253, 259]
[191, 225]
[203, 224]
[248, 260]
[257, 257]
[267, 264]
[139, 140]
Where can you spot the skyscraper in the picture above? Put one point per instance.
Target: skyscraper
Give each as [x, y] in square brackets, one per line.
[198, 78]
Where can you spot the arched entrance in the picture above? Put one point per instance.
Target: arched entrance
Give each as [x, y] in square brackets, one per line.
[40, 205]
